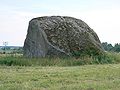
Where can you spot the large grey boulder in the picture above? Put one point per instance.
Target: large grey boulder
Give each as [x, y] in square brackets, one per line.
[60, 36]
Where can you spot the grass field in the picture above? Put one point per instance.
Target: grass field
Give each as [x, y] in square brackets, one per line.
[86, 77]
[84, 73]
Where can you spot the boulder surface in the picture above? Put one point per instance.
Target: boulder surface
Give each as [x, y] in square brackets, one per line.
[60, 36]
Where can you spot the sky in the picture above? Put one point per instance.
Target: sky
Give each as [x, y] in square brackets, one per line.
[103, 16]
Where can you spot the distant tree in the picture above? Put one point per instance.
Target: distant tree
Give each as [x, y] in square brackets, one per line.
[117, 47]
[107, 47]
[110, 47]
[104, 44]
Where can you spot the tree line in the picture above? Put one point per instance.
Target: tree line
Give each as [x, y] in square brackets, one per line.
[110, 47]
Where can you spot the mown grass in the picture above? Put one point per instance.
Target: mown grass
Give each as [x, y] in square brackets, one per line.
[108, 58]
[87, 77]
[84, 73]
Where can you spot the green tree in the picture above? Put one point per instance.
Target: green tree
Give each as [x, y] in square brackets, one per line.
[117, 47]
[107, 47]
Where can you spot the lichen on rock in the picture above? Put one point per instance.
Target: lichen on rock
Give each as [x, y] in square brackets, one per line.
[60, 36]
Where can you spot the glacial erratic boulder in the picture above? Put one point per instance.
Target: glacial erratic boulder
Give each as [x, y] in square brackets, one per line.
[60, 36]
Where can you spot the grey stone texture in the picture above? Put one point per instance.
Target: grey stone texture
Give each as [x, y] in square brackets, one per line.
[60, 36]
